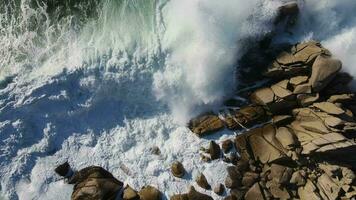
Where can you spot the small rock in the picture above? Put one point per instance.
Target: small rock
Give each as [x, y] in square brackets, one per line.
[177, 169]
[219, 189]
[130, 194]
[214, 150]
[63, 169]
[195, 195]
[155, 150]
[227, 145]
[149, 193]
[202, 182]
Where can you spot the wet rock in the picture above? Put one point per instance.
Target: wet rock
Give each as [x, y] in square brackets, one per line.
[214, 150]
[289, 12]
[296, 61]
[179, 197]
[244, 117]
[233, 179]
[130, 194]
[63, 169]
[238, 193]
[249, 179]
[324, 70]
[94, 183]
[195, 195]
[219, 189]
[205, 124]
[149, 193]
[155, 150]
[227, 145]
[254, 193]
[202, 182]
[177, 169]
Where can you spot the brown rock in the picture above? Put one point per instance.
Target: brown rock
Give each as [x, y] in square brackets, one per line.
[249, 179]
[233, 179]
[227, 145]
[246, 116]
[214, 150]
[263, 144]
[297, 80]
[341, 98]
[219, 189]
[149, 193]
[323, 71]
[202, 182]
[286, 137]
[298, 179]
[177, 169]
[94, 183]
[281, 175]
[329, 108]
[179, 197]
[195, 195]
[205, 124]
[303, 89]
[262, 96]
[307, 99]
[254, 193]
[308, 192]
[280, 91]
[130, 194]
[328, 189]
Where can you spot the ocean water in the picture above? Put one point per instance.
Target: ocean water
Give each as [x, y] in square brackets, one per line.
[102, 82]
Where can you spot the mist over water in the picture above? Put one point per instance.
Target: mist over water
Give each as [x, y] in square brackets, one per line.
[100, 82]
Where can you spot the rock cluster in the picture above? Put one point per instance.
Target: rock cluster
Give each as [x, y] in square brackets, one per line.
[307, 149]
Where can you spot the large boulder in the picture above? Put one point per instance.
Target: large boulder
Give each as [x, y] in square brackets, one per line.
[324, 70]
[95, 183]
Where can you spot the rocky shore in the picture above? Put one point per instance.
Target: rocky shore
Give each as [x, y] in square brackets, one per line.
[304, 144]
[296, 136]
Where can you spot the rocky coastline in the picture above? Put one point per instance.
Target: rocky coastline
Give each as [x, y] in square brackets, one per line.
[297, 135]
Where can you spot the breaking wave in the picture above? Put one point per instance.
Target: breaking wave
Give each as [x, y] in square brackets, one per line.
[100, 82]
